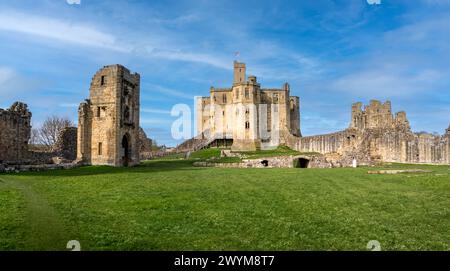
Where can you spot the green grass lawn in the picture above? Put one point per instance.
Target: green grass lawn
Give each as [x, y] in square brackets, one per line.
[213, 154]
[170, 205]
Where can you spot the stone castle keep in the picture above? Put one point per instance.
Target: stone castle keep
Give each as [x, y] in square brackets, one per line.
[234, 117]
[246, 116]
[108, 122]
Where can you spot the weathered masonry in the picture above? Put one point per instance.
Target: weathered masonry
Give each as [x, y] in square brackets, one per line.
[376, 135]
[246, 116]
[108, 123]
[15, 129]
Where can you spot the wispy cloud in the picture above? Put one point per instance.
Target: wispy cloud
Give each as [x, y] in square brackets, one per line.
[69, 105]
[383, 83]
[60, 30]
[155, 111]
[5, 75]
[13, 85]
[168, 91]
[76, 33]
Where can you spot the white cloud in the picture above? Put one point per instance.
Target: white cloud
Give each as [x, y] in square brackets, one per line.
[145, 121]
[12, 84]
[169, 92]
[73, 2]
[88, 35]
[64, 31]
[374, 2]
[5, 75]
[155, 111]
[387, 83]
[70, 105]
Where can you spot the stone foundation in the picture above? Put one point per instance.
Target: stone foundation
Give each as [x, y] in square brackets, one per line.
[313, 161]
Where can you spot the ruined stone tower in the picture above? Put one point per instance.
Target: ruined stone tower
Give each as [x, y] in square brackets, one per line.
[15, 128]
[108, 122]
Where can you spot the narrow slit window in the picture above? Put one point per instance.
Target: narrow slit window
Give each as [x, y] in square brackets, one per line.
[100, 148]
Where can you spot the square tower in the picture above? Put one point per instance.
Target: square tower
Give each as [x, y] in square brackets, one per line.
[239, 73]
[108, 123]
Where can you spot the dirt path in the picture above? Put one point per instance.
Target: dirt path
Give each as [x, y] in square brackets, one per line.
[44, 229]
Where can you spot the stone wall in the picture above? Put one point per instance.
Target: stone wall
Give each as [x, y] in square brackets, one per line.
[15, 128]
[375, 135]
[108, 123]
[310, 161]
[145, 143]
[66, 144]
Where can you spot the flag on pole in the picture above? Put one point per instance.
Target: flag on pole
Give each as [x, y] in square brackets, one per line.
[236, 54]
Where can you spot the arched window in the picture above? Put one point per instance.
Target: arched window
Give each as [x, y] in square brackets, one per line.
[247, 125]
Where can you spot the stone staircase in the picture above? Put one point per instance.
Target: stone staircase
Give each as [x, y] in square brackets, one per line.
[195, 144]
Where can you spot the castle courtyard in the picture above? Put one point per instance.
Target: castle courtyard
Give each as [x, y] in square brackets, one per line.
[168, 204]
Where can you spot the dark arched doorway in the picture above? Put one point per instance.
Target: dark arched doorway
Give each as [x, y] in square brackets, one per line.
[126, 146]
[265, 163]
[301, 163]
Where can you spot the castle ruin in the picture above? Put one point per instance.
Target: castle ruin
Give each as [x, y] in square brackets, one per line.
[108, 123]
[375, 134]
[15, 130]
[248, 117]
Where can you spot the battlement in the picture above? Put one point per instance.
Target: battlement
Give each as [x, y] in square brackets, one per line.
[239, 73]
[17, 109]
[239, 114]
[376, 115]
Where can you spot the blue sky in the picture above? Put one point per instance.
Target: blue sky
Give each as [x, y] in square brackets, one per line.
[332, 53]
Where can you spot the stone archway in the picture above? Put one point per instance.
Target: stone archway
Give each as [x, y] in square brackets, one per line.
[301, 163]
[265, 163]
[126, 147]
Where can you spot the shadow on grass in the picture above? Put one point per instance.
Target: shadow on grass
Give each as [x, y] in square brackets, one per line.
[146, 166]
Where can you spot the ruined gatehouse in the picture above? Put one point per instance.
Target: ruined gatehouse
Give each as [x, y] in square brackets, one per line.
[108, 123]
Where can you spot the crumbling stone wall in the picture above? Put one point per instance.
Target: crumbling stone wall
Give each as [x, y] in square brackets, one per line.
[313, 161]
[145, 145]
[15, 129]
[66, 144]
[375, 135]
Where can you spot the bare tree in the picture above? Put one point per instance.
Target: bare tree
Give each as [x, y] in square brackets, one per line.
[34, 137]
[51, 128]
